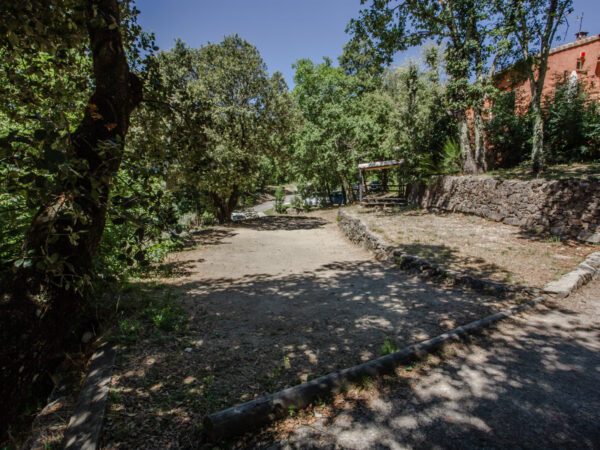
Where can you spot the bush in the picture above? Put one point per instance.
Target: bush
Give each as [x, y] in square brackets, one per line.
[279, 198]
[508, 134]
[572, 125]
[297, 203]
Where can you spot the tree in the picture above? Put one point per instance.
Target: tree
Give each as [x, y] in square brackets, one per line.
[533, 25]
[464, 26]
[225, 116]
[344, 122]
[44, 296]
[420, 122]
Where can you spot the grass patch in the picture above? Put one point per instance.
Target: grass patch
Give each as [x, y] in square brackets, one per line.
[388, 347]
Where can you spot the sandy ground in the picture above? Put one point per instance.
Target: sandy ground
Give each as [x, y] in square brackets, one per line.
[272, 303]
[532, 382]
[481, 247]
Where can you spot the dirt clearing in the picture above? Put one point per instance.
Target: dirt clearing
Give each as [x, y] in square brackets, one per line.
[478, 246]
[270, 303]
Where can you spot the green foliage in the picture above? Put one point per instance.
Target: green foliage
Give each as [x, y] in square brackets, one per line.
[451, 157]
[224, 121]
[298, 204]
[45, 83]
[279, 198]
[344, 121]
[419, 121]
[388, 347]
[508, 133]
[572, 125]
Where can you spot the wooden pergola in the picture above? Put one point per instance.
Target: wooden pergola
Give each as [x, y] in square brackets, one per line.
[377, 165]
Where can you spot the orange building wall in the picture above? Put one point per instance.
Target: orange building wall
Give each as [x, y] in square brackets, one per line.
[562, 61]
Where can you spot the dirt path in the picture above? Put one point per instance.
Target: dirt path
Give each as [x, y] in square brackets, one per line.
[272, 303]
[534, 382]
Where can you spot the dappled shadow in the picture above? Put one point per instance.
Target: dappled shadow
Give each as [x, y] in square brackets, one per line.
[288, 223]
[211, 236]
[450, 258]
[531, 384]
[260, 333]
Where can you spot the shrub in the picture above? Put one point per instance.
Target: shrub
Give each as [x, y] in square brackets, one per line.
[572, 125]
[279, 198]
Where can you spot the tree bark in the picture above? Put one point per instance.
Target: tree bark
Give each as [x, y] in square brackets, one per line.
[347, 190]
[224, 206]
[479, 132]
[468, 161]
[45, 297]
[537, 151]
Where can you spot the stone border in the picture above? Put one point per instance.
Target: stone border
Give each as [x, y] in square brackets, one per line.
[247, 416]
[359, 233]
[83, 431]
[582, 274]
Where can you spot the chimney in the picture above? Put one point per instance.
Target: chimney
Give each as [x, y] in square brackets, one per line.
[580, 35]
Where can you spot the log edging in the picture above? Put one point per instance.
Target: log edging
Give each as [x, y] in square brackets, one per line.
[247, 416]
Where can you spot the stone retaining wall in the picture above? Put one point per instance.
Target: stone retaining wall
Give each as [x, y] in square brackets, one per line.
[569, 207]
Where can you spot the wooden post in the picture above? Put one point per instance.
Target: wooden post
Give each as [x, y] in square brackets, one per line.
[361, 189]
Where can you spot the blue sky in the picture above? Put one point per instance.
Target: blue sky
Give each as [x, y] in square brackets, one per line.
[283, 30]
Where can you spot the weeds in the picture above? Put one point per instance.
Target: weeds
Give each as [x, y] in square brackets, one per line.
[388, 347]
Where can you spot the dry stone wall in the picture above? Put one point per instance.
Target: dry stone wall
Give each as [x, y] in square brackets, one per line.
[569, 207]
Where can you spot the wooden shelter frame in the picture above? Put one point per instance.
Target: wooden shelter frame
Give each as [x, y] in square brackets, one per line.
[376, 165]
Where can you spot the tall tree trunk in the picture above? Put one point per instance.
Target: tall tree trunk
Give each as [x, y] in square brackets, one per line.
[478, 129]
[537, 152]
[347, 189]
[43, 301]
[468, 161]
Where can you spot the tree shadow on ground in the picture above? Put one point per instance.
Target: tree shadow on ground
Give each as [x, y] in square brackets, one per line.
[210, 236]
[448, 257]
[288, 223]
[261, 333]
[528, 385]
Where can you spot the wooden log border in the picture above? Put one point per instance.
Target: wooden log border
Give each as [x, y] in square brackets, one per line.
[83, 431]
[250, 415]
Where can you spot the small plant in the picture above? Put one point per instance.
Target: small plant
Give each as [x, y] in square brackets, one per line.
[292, 410]
[207, 218]
[130, 328]
[388, 347]
[279, 199]
[365, 383]
[297, 203]
[451, 157]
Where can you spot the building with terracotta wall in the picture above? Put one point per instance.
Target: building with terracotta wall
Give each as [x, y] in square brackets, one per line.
[578, 60]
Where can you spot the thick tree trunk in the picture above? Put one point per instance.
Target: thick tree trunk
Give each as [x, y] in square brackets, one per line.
[43, 301]
[224, 206]
[469, 165]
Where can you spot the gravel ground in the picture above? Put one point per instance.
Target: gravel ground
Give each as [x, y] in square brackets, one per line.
[481, 247]
[271, 303]
[532, 382]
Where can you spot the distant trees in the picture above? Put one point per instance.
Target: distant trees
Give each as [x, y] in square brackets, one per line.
[532, 24]
[224, 116]
[344, 121]
[420, 119]
[464, 28]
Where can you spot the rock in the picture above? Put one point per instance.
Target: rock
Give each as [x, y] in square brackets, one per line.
[188, 349]
[87, 337]
[588, 236]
